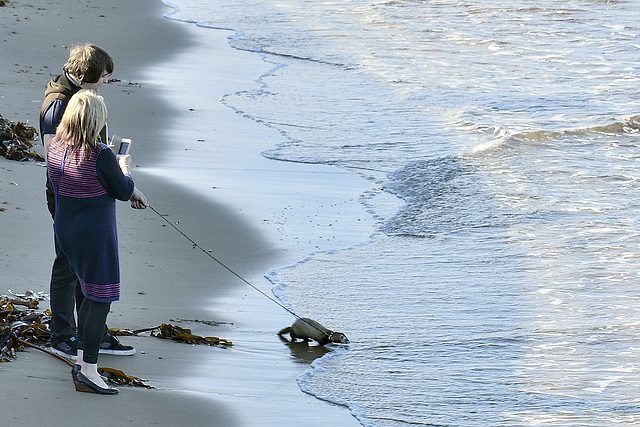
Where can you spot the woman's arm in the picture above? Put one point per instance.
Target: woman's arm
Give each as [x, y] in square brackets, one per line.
[110, 173]
[138, 200]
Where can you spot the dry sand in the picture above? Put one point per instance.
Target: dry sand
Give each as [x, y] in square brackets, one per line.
[164, 278]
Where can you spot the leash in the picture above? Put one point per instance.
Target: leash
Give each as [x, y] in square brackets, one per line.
[229, 269]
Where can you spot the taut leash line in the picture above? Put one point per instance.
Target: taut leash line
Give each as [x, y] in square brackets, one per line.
[196, 245]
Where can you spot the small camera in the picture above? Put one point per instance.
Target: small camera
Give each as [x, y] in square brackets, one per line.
[125, 145]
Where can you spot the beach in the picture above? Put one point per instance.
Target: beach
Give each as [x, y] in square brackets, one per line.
[450, 184]
[165, 279]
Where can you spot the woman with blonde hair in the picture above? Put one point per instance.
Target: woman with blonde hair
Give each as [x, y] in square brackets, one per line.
[87, 179]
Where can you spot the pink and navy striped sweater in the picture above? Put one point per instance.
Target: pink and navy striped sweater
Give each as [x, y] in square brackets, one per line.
[85, 216]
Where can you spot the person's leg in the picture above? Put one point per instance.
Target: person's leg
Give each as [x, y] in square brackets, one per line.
[92, 317]
[82, 319]
[82, 316]
[110, 344]
[79, 296]
[62, 291]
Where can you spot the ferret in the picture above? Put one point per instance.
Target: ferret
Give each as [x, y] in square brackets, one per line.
[306, 329]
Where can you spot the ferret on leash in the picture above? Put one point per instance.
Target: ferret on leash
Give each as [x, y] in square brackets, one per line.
[308, 329]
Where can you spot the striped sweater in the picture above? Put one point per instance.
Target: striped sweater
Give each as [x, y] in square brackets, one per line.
[85, 215]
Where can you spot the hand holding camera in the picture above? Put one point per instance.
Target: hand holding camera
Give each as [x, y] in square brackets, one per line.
[123, 144]
[125, 162]
[122, 154]
[138, 200]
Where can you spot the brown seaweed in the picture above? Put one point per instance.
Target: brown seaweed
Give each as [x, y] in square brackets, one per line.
[22, 325]
[26, 327]
[19, 325]
[117, 377]
[15, 141]
[176, 333]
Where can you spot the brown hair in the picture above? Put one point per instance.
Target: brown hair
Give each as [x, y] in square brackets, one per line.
[88, 62]
[82, 122]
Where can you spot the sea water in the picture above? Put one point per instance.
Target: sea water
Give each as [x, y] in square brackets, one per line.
[503, 288]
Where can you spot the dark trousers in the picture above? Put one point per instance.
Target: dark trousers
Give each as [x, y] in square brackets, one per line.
[92, 316]
[65, 293]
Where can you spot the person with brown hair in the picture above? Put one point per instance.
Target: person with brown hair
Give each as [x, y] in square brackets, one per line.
[87, 178]
[88, 67]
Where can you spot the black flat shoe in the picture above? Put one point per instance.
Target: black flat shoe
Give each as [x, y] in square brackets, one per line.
[86, 385]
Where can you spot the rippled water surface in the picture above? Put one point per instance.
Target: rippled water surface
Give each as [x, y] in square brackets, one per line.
[504, 290]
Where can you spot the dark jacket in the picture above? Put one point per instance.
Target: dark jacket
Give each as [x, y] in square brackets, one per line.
[59, 89]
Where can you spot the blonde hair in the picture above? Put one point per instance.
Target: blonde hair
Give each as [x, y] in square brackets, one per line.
[83, 119]
[87, 63]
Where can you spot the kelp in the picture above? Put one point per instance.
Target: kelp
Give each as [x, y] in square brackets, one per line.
[117, 377]
[175, 333]
[15, 141]
[19, 321]
[22, 325]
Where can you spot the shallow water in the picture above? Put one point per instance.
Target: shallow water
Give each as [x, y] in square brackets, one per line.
[502, 290]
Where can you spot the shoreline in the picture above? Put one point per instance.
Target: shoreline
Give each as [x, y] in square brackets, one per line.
[164, 278]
